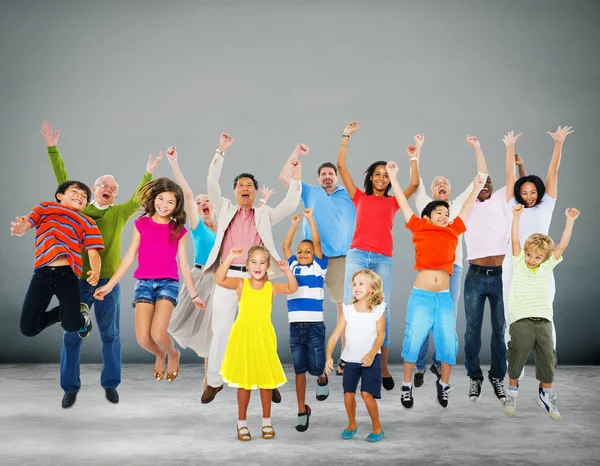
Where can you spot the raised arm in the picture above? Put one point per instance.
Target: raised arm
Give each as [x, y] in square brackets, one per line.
[292, 284]
[188, 194]
[415, 177]
[571, 214]
[286, 172]
[421, 197]
[221, 278]
[214, 171]
[552, 177]
[58, 166]
[186, 273]
[316, 237]
[514, 232]
[341, 159]
[520, 166]
[392, 170]
[509, 141]
[340, 328]
[473, 142]
[478, 183]
[289, 237]
[132, 204]
[292, 197]
[20, 226]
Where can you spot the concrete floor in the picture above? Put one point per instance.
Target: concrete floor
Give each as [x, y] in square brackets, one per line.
[157, 423]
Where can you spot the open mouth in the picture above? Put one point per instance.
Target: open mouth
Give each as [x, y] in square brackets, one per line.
[206, 211]
[105, 196]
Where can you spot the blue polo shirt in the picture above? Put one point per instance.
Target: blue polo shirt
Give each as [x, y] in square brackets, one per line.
[335, 216]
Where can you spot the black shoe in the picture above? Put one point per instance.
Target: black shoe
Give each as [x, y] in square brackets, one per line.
[388, 383]
[475, 388]
[498, 388]
[442, 394]
[419, 378]
[436, 371]
[406, 397]
[276, 396]
[112, 395]
[69, 400]
[303, 427]
[85, 331]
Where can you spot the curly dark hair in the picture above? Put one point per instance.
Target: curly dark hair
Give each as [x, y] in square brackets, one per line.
[147, 196]
[369, 184]
[539, 186]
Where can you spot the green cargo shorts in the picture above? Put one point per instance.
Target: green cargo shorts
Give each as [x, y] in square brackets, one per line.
[527, 335]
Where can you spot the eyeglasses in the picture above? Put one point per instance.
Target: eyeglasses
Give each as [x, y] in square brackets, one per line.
[112, 189]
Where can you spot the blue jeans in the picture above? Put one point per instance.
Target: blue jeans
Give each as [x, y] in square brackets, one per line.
[307, 344]
[482, 283]
[455, 293]
[108, 314]
[357, 259]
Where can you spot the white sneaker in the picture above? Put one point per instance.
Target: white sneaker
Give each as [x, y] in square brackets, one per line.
[510, 405]
[548, 403]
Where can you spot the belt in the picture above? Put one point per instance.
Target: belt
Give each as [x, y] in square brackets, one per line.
[198, 266]
[239, 268]
[479, 270]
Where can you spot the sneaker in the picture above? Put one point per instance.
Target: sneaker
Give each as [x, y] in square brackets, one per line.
[406, 397]
[442, 394]
[475, 388]
[436, 371]
[85, 331]
[498, 388]
[419, 378]
[510, 406]
[323, 389]
[303, 418]
[548, 402]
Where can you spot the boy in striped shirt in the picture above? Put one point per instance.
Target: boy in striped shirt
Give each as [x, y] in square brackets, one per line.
[61, 233]
[305, 314]
[530, 311]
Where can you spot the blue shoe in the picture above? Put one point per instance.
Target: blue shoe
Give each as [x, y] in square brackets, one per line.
[375, 437]
[348, 434]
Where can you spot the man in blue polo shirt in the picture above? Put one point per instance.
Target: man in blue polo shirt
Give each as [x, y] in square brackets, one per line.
[335, 215]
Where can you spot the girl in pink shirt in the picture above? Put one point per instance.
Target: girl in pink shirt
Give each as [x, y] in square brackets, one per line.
[159, 243]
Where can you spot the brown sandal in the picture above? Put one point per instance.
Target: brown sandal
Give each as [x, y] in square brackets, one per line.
[268, 432]
[244, 436]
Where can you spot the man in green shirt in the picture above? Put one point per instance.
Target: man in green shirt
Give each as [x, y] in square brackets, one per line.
[111, 220]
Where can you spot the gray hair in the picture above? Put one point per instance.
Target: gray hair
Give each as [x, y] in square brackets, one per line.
[97, 182]
[437, 178]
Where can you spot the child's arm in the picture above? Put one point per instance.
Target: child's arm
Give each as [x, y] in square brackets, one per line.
[221, 278]
[316, 238]
[20, 226]
[286, 288]
[552, 177]
[509, 141]
[186, 273]
[572, 214]
[188, 194]
[367, 359]
[392, 170]
[514, 234]
[340, 328]
[341, 160]
[126, 262]
[95, 264]
[478, 183]
[287, 241]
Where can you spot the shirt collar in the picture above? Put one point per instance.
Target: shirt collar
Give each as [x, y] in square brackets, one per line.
[240, 208]
[98, 206]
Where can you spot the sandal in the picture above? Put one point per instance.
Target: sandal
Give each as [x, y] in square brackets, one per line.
[340, 367]
[268, 432]
[158, 375]
[172, 376]
[244, 434]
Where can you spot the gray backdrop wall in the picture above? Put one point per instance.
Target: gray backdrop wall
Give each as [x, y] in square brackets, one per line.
[124, 79]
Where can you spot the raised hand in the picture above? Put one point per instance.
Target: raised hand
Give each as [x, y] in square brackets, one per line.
[172, 154]
[367, 360]
[572, 214]
[561, 133]
[419, 140]
[518, 210]
[225, 142]
[50, 137]
[284, 266]
[153, 163]
[295, 165]
[295, 219]
[20, 226]
[392, 169]
[510, 138]
[199, 303]
[93, 277]
[412, 151]
[308, 213]
[265, 193]
[301, 149]
[473, 142]
[518, 160]
[351, 127]
[101, 292]
[478, 182]
[236, 252]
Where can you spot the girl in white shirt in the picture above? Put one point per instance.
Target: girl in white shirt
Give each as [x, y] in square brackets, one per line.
[363, 323]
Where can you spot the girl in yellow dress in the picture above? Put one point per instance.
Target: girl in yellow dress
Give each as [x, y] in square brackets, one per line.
[251, 359]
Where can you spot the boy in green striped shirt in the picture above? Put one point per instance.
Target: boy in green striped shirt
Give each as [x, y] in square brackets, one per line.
[530, 311]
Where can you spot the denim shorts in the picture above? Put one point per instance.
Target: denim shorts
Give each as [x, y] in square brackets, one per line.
[307, 344]
[370, 377]
[150, 291]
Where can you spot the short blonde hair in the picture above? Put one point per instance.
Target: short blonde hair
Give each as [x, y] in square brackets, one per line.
[539, 242]
[377, 297]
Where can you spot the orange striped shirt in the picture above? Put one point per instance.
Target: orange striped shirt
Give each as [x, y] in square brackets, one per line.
[62, 232]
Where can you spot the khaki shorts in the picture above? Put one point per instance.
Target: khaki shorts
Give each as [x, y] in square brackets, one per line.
[527, 335]
[334, 280]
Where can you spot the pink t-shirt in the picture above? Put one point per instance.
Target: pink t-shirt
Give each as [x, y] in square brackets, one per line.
[374, 222]
[241, 233]
[487, 227]
[157, 255]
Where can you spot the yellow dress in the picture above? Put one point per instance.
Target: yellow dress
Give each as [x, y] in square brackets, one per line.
[251, 359]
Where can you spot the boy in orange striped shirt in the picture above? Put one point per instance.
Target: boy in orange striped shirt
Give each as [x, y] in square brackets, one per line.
[61, 233]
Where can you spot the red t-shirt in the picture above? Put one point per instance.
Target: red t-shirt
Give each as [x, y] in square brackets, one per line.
[374, 221]
[435, 246]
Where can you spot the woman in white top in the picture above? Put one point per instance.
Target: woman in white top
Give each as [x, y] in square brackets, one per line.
[363, 323]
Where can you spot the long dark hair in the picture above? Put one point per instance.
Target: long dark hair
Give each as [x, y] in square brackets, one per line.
[539, 186]
[369, 184]
[148, 194]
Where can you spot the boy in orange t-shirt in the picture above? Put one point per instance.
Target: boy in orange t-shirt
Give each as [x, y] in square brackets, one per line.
[430, 306]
